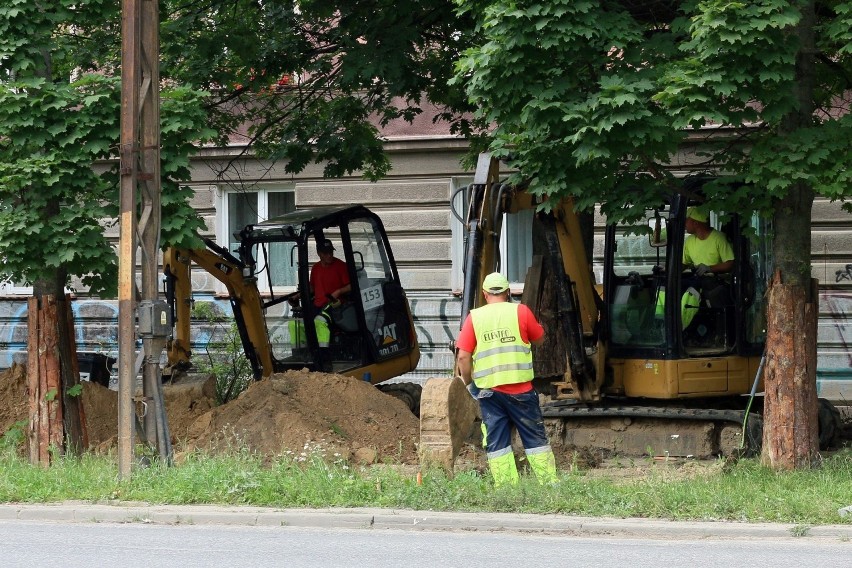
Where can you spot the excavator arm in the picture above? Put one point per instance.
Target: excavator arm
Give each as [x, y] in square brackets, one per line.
[565, 268]
[243, 294]
[483, 226]
[578, 307]
[560, 291]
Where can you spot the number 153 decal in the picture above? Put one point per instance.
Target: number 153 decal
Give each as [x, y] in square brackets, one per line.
[372, 297]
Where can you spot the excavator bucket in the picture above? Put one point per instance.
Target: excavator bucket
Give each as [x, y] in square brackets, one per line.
[447, 416]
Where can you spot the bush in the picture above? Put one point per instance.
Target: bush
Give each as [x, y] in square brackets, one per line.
[225, 358]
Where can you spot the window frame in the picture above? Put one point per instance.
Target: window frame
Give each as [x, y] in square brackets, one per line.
[457, 235]
[8, 288]
[223, 222]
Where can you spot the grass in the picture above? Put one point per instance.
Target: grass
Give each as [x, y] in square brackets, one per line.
[743, 491]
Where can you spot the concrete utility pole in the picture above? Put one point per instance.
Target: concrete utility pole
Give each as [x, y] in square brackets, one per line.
[140, 168]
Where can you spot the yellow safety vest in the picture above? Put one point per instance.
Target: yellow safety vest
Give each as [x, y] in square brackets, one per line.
[500, 357]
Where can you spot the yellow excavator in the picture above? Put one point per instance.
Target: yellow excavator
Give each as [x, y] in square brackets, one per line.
[653, 359]
[372, 334]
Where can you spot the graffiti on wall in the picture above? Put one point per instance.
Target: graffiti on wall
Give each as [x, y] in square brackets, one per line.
[96, 328]
[437, 321]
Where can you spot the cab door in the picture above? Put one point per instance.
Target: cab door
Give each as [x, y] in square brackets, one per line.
[377, 292]
[752, 278]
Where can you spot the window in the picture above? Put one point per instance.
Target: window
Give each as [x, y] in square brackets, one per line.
[12, 288]
[760, 261]
[241, 208]
[8, 288]
[638, 284]
[516, 245]
[515, 239]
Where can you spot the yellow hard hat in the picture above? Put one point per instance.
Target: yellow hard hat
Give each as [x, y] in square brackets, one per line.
[495, 283]
[694, 213]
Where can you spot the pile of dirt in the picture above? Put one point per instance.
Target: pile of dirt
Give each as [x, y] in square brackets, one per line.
[100, 409]
[298, 413]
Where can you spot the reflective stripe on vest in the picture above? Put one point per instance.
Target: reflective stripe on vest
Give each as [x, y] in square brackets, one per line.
[500, 357]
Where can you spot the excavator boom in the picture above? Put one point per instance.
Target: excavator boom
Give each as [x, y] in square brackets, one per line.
[242, 293]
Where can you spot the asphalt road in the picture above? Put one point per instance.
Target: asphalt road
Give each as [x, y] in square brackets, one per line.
[85, 544]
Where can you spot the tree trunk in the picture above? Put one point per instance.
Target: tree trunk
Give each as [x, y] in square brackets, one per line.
[76, 436]
[43, 382]
[52, 368]
[790, 424]
[790, 434]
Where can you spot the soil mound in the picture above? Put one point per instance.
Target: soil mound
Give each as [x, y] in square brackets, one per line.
[298, 413]
[100, 410]
[301, 414]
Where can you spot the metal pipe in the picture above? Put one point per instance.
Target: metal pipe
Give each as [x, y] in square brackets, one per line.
[472, 269]
[751, 397]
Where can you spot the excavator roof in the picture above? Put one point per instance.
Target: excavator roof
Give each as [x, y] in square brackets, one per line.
[291, 225]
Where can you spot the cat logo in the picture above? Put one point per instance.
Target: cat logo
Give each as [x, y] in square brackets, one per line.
[389, 333]
[389, 340]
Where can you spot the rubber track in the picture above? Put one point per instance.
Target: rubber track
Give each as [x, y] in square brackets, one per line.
[409, 393]
[572, 410]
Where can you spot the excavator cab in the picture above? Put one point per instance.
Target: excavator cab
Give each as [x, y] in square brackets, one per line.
[368, 334]
[660, 309]
[368, 329]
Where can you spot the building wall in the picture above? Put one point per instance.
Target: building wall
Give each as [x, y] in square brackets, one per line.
[413, 202]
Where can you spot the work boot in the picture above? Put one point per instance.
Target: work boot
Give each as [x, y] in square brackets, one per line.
[503, 469]
[543, 464]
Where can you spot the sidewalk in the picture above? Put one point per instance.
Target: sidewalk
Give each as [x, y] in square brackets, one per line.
[411, 520]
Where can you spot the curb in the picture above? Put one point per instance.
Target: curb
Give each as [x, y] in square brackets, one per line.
[363, 518]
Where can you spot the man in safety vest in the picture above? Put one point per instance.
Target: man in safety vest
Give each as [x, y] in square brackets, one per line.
[495, 363]
[708, 252]
[329, 281]
[705, 249]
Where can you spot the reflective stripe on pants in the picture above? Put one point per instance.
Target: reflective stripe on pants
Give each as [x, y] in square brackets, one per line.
[501, 411]
[503, 468]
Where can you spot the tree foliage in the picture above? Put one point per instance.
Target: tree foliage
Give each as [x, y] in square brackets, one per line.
[60, 110]
[312, 82]
[302, 83]
[592, 98]
[595, 98]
